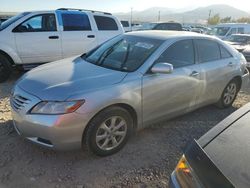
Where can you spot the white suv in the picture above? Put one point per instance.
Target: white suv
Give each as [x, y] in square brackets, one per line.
[33, 38]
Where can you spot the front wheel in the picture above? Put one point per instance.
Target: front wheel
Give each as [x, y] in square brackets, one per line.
[5, 68]
[229, 94]
[109, 131]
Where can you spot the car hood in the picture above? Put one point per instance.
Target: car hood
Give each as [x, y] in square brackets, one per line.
[62, 79]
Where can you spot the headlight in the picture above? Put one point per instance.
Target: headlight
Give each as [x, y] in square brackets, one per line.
[49, 107]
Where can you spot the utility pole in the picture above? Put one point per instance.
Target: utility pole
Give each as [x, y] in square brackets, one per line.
[131, 18]
[159, 16]
[209, 15]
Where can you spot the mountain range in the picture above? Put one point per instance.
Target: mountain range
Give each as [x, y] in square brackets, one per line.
[198, 15]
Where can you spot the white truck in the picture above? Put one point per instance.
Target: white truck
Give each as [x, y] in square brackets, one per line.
[224, 31]
[33, 38]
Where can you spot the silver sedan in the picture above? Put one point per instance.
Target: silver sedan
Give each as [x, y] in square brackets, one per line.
[129, 82]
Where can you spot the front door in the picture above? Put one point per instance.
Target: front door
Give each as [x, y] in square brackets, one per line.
[166, 95]
[38, 40]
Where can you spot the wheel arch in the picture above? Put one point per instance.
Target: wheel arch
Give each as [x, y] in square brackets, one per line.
[125, 106]
[239, 80]
[7, 56]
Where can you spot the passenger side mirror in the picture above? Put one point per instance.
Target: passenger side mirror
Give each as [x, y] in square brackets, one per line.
[163, 68]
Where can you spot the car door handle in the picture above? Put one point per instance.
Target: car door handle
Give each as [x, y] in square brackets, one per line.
[91, 36]
[53, 37]
[230, 64]
[194, 73]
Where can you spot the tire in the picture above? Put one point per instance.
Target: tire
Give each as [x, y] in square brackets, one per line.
[229, 94]
[5, 68]
[100, 140]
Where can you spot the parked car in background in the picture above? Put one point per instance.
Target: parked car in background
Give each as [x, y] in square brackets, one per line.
[32, 38]
[219, 158]
[2, 20]
[224, 31]
[197, 30]
[126, 84]
[241, 42]
[126, 25]
[167, 26]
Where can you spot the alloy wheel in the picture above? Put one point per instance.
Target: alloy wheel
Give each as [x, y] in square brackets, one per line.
[111, 133]
[230, 93]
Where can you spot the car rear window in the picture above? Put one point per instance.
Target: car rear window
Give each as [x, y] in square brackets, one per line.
[105, 23]
[76, 22]
[224, 53]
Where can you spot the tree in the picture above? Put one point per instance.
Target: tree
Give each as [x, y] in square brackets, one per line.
[243, 20]
[226, 19]
[214, 20]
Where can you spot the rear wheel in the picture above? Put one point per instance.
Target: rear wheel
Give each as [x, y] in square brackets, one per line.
[109, 131]
[229, 94]
[5, 68]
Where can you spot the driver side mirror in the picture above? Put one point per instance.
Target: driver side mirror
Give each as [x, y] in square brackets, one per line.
[163, 68]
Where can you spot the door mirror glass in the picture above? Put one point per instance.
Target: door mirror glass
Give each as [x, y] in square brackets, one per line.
[163, 68]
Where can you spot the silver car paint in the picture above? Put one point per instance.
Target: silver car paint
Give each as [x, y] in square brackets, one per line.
[151, 96]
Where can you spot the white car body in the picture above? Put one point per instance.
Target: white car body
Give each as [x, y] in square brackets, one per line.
[38, 47]
[233, 28]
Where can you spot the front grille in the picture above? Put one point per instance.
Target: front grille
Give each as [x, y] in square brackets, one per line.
[18, 102]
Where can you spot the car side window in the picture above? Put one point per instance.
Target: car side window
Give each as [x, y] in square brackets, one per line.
[224, 53]
[208, 50]
[39, 23]
[241, 30]
[232, 31]
[105, 23]
[179, 54]
[76, 22]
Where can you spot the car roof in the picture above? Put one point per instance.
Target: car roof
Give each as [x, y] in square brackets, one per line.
[227, 145]
[164, 35]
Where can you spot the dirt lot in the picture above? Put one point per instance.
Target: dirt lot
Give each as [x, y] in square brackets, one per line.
[146, 161]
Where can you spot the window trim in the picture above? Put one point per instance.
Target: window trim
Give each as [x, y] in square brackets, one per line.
[15, 30]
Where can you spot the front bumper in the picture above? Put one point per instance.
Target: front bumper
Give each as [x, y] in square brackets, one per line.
[61, 132]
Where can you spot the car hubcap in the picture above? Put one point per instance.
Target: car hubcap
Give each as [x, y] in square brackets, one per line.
[230, 93]
[111, 133]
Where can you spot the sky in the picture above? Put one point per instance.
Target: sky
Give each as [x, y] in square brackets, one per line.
[115, 5]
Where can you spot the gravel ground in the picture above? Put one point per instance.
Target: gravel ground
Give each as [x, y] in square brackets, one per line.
[146, 161]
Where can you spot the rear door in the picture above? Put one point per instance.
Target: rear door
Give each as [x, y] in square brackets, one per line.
[217, 68]
[78, 35]
[171, 94]
[38, 39]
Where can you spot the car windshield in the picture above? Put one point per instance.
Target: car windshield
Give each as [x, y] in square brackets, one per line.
[239, 39]
[11, 20]
[124, 53]
[219, 31]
